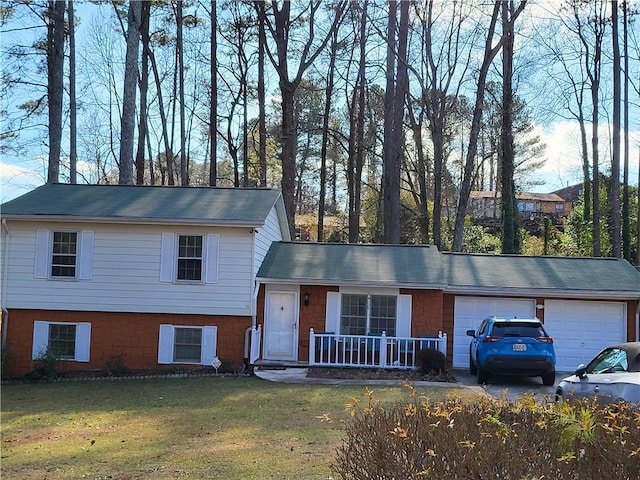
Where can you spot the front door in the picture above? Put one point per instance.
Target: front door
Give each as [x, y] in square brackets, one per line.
[281, 327]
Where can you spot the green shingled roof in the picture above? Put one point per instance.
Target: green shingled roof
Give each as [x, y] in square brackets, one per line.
[145, 203]
[555, 273]
[337, 263]
[424, 267]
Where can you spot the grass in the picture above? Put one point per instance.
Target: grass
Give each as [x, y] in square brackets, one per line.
[192, 428]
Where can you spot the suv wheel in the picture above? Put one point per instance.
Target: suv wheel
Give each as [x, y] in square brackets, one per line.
[549, 379]
[472, 366]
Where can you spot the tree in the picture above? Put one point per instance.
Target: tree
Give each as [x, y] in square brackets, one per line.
[73, 155]
[508, 197]
[395, 94]
[279, 24]
[614, 185]
[127, 129]
[490, 51]
[213, 102]
[55, 87]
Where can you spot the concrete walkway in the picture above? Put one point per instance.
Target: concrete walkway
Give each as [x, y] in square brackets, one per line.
[510, 388]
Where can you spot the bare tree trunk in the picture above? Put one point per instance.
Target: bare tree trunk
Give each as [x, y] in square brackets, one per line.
[184, 167]
[614, 185]
[508, 197]
[55, 86]
[626, 227]
[469, 166]
[73, 152]
[144, 86]
[356, 135]
[213, 108]
[127, 129]
[325, 135]
[394, 110]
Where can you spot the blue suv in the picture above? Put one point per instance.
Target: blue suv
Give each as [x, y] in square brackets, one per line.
[512, 346]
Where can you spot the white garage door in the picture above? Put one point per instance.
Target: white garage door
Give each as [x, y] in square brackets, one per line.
[469, 313]
[580, 329]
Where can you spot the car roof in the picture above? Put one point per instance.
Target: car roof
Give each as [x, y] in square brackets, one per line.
[515, 319]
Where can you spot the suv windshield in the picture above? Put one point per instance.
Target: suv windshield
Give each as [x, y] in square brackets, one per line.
[517, 329]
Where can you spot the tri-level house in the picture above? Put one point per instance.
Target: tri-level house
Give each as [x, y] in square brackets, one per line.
[160, 275]
[180, 276]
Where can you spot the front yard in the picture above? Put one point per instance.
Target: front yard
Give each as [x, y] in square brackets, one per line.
[191, 428]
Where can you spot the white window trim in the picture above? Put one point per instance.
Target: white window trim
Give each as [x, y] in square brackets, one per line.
[166, 341]
[44, 254]
[169, 258]
[41, 340]
[403, 308]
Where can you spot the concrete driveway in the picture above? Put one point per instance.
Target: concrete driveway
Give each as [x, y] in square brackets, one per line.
[510, 387]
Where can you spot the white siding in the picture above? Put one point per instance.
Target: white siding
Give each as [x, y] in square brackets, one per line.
[126, 273]
[270, 232]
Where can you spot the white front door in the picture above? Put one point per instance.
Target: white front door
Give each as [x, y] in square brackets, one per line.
[469, 313]
[281, 326]
[580, 329]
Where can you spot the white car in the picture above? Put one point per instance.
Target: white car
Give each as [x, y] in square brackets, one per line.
[613, 375]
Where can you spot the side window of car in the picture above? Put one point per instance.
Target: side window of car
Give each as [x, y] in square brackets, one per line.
[483, 327]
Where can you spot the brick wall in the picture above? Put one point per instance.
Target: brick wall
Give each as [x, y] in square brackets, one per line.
[133, 334]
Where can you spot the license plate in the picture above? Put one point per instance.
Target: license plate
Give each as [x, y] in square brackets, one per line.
[519, 347]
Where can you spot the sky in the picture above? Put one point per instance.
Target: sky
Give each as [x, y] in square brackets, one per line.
[19, 175]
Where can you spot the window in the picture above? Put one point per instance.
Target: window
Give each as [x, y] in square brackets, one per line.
[65, 340]
[559, 207]
[610, 361]
[364, 314]
[64, 254]
[187, 344]
[190, 257]
[63, 262]
[62, 340]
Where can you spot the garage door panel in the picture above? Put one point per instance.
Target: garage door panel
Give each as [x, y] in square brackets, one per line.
[469, 313]
[580, 329]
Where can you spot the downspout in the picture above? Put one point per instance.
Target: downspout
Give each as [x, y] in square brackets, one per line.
[254, 303]
[5, 276]
[638, 321]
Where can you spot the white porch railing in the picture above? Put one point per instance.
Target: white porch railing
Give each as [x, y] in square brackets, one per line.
[327, 349]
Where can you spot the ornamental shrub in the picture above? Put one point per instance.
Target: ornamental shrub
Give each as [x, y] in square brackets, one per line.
[430, 361]
[490, 439]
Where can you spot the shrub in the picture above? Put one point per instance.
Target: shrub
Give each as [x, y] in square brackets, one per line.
[490, 439]
[429, 361]
[116, 365]
[46, 368]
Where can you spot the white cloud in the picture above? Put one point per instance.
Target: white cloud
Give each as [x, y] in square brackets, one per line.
[16, 180]
[563, 165]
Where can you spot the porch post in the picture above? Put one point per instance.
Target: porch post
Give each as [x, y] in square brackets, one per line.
[312, 347]
[383, 350]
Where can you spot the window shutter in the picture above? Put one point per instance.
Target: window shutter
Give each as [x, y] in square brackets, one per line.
[403, 321]
[165, 344]
[85, 260]
[42, 260]
[167, 257]
[83, 342]
[209, 341]
[332, 320]
[40, 339]
[211, 261]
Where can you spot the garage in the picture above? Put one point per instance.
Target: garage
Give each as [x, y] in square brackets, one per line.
[580, 329]
[470, 311]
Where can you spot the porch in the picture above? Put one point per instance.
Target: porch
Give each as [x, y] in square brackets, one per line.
[370, 351]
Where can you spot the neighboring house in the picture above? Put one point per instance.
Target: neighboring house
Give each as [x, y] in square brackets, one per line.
[177, 276]
[572, 194]
[409, 291]
[161, 275]
[487, 205]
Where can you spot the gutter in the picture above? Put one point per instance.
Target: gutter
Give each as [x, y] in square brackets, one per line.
[5, 276]
[251, 223]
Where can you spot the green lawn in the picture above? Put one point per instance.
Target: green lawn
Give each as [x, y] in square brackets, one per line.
[192, 428]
